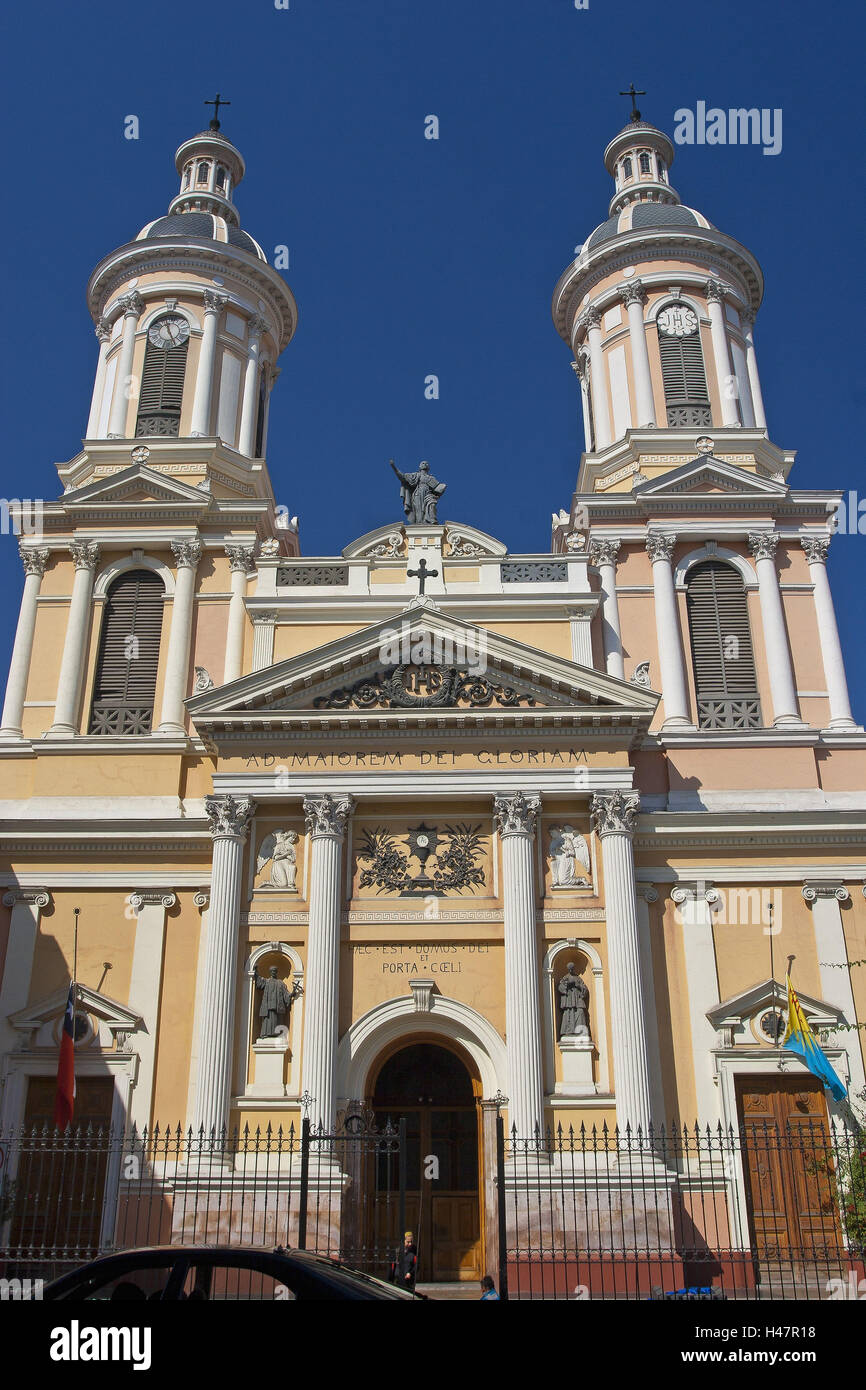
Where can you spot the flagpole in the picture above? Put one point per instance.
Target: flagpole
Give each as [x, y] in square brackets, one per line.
[74, 981]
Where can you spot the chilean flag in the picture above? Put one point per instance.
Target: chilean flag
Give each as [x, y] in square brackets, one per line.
[64, 1099]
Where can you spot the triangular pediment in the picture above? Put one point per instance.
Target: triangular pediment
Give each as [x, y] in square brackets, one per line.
[707, 474]
[770, 994]
[136, 485]
[422, 664]
[118, 1018]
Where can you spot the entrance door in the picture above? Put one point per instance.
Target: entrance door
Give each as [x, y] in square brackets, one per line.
[789, 1166]
[432, 1089]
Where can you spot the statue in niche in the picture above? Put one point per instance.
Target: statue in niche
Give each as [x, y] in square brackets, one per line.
[279, 848]
[276, 1005]
[419, 493]
[568, 849]
[573, 1005]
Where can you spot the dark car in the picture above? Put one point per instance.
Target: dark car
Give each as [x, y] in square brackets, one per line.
[171, 1273]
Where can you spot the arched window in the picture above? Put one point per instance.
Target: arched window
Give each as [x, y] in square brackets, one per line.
[723, 661]
[161, 395]
[626, 168]
[126, 666]
[661, 168]
[187, 175]
[644, 163]
[202, 172]
[220, 180]
[682, 363]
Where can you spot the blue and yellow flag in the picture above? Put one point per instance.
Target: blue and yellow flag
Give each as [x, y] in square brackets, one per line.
[799, 1038]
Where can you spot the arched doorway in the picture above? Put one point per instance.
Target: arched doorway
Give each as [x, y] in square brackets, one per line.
[432, 1088]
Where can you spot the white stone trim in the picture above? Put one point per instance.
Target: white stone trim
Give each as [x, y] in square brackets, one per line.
[711, 551]
[363, 1043]
[597, 1017]
[117, 567]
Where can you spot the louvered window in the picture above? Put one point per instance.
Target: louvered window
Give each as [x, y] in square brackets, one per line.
[682, 363]
[722, 658]
[161, 395]
[126, 666]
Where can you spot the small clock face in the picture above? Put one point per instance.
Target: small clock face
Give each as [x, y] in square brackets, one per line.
[678, 321]
[169, 332]
[423, 841]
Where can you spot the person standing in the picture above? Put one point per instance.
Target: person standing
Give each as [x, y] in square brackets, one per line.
[405, 1266]
[488, 1291]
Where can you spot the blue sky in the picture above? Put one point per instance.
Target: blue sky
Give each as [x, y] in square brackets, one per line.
[411, 256]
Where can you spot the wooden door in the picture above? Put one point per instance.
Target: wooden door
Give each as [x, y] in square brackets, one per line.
[789, 1169]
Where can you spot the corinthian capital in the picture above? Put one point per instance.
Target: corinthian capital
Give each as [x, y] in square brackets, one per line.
[257, 325]
[603, 550]
[660, 546]
[516, 814]
[763, 544]
[85, 554]
[327, 815]
[102, 329]
[591, 317]
[132, 304]
[714, 291]
[229, 815]
[633, 292]
[816, 548]
[214, 302]
[34, 561]
[187, 553]
[613, 813]
[747, 318]
[240, 557]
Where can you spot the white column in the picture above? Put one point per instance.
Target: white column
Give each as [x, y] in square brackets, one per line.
[580, 367]
[201, 900]
[103, 333]
[230, 818]
[249, 405]
[646, 895]
[674, 691]
[26, 905]
[145, 993]
[34, 562]
[263, 639]
[695, 904]
[635, 297]
[515, 819]
[326, 819]
[241, 561]
[133, 307]
[86, 557]
[719, 334]
[201, 402]
[591, 320]
[783, 692]
[747, 319]
[602, 554]
[613, 815]
[816, 548]
[825, 900]
[187, 554]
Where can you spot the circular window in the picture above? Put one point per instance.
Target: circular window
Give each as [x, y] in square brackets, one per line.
[772, 1025]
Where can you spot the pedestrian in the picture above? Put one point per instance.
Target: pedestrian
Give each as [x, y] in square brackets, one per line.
[405, 1264]
[488, 1290]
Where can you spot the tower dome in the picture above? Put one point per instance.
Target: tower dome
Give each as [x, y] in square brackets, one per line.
[658, 307]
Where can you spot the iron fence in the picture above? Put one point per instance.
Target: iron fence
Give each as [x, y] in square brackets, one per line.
[764, 1212]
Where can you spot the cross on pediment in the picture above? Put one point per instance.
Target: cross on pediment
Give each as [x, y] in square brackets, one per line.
[422, 573]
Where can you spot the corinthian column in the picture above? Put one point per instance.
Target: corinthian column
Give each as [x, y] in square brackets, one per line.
[634, 297]
[719, 334]
[515, 819]
[230, 818]
[591, 320]
[613, 814]
[660, 548]
[783, 692]
[326, 819]
[201, 401]
[133, 307]
[240, 561]
[249, 406]
[103, 333]
[187, 554]
[602, 554]
[748, 319]
[85, 555]
[816, 548]
[34, 562]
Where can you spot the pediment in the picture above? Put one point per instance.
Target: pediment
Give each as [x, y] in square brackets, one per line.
[422, 664]
[708, 474]
[136, 484]
[118, 1018]
[770, 994]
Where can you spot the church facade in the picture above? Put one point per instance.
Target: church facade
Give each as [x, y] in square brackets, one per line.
[425, 827]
